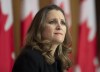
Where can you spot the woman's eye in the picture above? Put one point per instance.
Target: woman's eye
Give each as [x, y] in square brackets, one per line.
[52, 22]
[62, 22]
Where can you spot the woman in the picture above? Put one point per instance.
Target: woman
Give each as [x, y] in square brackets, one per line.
[47, 43]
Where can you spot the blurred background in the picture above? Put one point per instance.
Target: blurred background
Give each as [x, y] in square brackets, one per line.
[83, 17]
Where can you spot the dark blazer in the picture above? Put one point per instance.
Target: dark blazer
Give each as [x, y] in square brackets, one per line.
[31, 60]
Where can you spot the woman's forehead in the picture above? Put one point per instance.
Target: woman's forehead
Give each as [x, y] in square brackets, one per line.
[55, 14]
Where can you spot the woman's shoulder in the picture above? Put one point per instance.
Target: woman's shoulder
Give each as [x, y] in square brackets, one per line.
[31, 53]
[28, 60]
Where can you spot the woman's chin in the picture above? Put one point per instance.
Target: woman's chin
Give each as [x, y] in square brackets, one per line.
[57, 41]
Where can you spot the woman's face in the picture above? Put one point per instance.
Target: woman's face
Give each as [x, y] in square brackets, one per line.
[55, 27]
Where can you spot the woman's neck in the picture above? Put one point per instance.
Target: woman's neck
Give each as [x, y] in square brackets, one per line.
[53, 48]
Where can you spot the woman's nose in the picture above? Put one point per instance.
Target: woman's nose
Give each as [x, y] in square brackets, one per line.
[58, 26]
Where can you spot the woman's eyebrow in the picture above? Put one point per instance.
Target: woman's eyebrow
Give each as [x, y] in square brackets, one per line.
[63, 20]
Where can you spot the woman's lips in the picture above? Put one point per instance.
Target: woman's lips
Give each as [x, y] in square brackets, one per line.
[58, 33]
